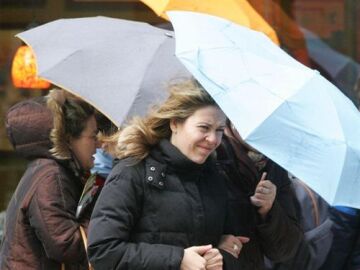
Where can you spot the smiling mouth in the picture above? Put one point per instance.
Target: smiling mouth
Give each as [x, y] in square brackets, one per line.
[206, 149]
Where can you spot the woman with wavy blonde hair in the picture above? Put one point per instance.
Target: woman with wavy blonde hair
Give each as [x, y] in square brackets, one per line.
[162, 206]
[142, 133]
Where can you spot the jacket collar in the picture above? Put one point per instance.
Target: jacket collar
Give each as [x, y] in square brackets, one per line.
[75, 168]
[165, 158]
[167, 153]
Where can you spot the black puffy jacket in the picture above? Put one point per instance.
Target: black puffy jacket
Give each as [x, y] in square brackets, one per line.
[148, 213]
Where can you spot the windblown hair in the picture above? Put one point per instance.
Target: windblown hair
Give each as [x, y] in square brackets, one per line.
[70, 116]
[137, 138]
[106, 129]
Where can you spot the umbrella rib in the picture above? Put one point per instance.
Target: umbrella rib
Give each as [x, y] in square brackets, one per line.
[55, 83]
[60, 85]
[341, 174]
[337, 117]
[142, 78]
[84, 98]
[290, 124]
[63, 59]
[275, 93]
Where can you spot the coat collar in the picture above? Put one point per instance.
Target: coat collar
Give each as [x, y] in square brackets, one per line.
[75, 168]
[167, 153]
[165, 158]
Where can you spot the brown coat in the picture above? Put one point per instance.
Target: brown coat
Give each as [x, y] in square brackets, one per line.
[41, 231]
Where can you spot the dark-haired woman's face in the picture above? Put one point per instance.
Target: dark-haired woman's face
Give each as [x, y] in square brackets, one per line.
[85, 145]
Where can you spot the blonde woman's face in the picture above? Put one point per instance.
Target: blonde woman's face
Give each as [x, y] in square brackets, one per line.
[85, 146]
[200, 134]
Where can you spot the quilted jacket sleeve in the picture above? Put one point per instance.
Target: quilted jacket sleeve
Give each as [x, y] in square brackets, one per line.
[116, 212]
[54, 221]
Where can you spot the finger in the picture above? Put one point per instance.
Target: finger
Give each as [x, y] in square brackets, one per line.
[214, 266]
[243, 239]
[267, 184]
[263, 197]
[214, 260]
[232, 246]
[263, 176]
[266, 189]
[231, 251]
[236, 247]
[236, 240]
[208, 256]
[201, 250]
[263, 190]
[255, 201]
[212, 253]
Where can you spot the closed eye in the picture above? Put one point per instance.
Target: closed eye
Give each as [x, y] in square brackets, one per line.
[205, 128]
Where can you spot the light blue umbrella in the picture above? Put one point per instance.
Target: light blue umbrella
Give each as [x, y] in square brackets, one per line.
[285, 110]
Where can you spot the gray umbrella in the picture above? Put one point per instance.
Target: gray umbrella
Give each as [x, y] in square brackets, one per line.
[119, 66]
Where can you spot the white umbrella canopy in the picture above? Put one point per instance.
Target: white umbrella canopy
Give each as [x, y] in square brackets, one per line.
[280, 107]
[119, 66]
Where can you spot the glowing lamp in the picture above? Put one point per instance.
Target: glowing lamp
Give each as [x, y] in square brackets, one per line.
[23, 71]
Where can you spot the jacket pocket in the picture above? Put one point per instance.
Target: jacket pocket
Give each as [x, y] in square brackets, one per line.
[319, 240]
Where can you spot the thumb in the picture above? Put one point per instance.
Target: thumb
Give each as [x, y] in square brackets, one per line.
[201, 250]
[263, 176]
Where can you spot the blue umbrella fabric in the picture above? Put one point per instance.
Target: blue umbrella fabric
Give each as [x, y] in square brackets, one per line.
[280, 107]
[119, 66]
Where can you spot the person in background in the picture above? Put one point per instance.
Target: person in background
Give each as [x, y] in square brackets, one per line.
[345, 250]
[57, 134]
[162, 206]
[262, 206]
[103, 158]
[103, 162]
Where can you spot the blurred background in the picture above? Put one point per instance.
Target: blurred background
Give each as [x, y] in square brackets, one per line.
[324, 35]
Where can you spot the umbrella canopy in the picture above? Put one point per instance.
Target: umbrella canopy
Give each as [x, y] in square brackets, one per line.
[237, 11]
[121, 67]
[285, 110]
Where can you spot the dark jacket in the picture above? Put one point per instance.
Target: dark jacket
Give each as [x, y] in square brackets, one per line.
[316, 224]
[40, 230]
[279, 235]
[148, 213]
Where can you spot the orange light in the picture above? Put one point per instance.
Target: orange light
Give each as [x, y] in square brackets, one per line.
[23, 71]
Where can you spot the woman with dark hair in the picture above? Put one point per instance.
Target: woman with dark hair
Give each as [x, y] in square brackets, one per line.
[262, 205]
[58, 136]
